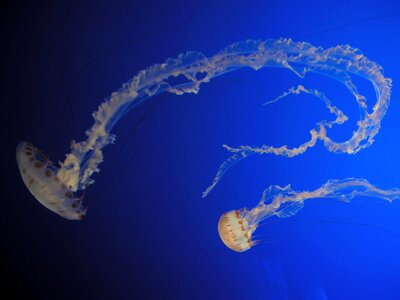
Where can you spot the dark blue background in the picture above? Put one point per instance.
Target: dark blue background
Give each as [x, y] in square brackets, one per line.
[148, 234]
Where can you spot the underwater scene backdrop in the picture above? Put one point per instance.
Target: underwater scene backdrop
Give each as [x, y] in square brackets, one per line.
[148, 233]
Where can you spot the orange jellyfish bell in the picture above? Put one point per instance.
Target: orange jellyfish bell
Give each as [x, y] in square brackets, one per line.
[235, 231]
[40, 177]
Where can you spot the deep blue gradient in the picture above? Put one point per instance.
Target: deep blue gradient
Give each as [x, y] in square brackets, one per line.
[148, 234]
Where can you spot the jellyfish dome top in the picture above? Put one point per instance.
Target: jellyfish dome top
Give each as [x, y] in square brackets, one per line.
[235, 232]
[40, 177]
[56, 186]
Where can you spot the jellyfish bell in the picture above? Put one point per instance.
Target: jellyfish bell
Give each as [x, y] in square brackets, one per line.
[40, 177]
[235, 231]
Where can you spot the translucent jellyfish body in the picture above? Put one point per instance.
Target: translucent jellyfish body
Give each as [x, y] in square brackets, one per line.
[235, 232]
[76, 172]
[40, 176]
[236, 227]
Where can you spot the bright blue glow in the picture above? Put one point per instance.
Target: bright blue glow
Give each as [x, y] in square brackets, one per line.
[149, 233]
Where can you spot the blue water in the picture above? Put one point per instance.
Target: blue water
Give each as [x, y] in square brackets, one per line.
[148, 234]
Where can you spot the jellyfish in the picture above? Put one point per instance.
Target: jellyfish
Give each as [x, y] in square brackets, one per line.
[236, 227]
[39, 175]
[62, 190]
